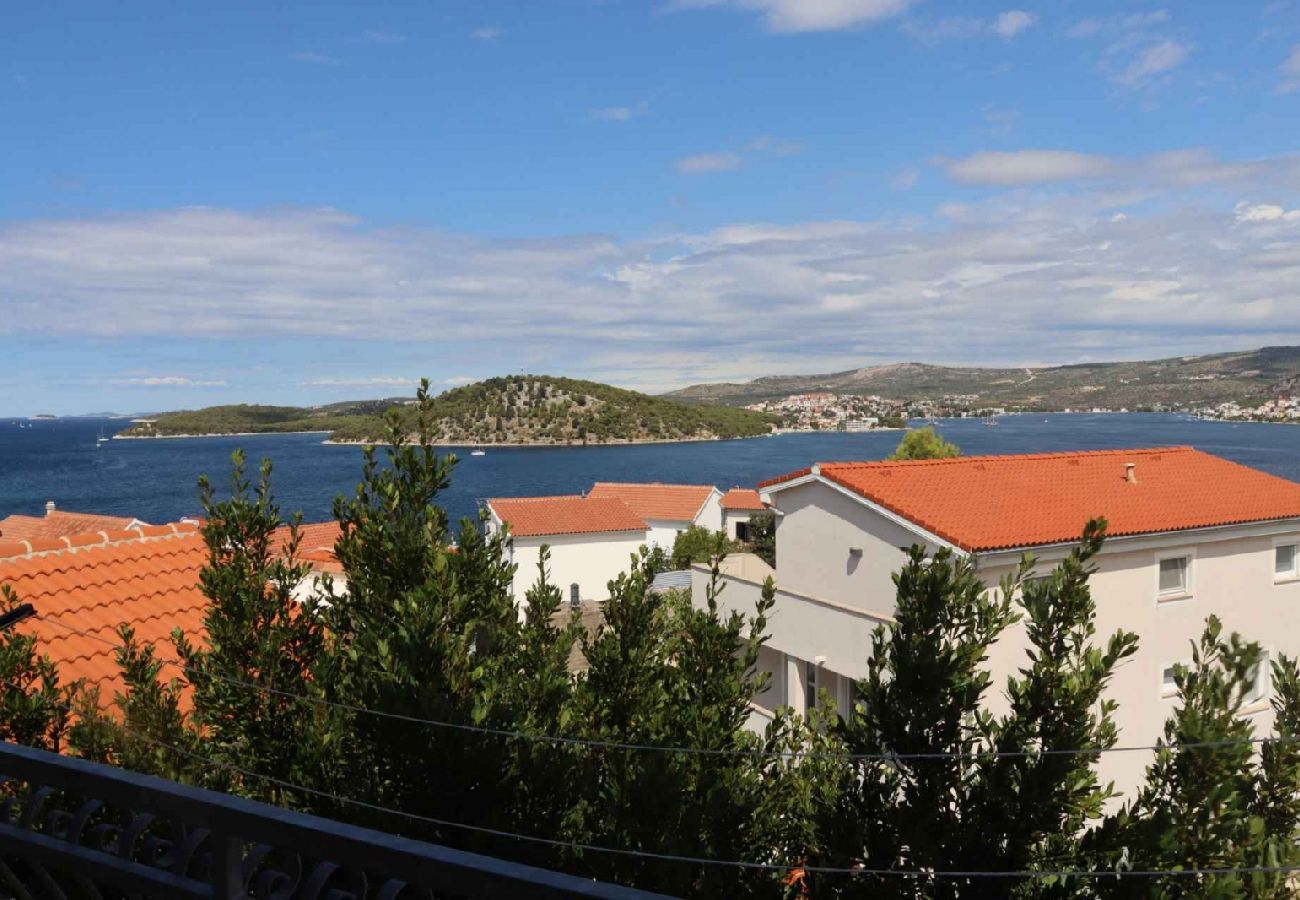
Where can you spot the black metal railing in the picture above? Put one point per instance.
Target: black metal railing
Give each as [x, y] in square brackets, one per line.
[72, 828]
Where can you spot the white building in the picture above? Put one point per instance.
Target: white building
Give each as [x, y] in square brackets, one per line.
[668, 509]
[1189, 535]
[591, 539]
[738, 504]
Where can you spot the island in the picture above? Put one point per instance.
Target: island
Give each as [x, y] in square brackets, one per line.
[517, 410]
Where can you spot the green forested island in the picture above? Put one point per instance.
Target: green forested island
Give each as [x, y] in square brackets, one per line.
[518, 409]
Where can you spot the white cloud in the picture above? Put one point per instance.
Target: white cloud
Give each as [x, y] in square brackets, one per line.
[168, 381]
[1264, 212]
[1155, 60]
[1000, 119]
[703, 163]
[932, 32]
[727, 160]
[1012, 22]
[315, 59]
[458, 380]
[375, 381]
[1186, 168]
[486, 33]
[620, 113]
[906, 178]
[1027, 167]
[1020, 274]
[790, 16]
[1290, 70]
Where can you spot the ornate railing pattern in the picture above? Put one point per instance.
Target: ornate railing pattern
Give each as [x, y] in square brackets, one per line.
[71, 829]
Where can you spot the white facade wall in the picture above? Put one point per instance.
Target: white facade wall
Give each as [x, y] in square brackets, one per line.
[589, 560]
[733, 517]
[663, 532]
[710, 514]
[831, 598]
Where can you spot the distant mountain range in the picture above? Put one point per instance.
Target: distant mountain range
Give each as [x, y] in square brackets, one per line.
[1183, 381]
[520, 409]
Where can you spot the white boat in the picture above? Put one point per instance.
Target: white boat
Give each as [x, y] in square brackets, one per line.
[101, 439]
[478, 453]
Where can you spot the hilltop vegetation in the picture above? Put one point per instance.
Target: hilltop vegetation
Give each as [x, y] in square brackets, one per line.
[1249, 376]
[540, 409]
[521, 409]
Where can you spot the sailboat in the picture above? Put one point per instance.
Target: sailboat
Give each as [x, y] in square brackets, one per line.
[478, 451]
[991, 421]
[101, 439]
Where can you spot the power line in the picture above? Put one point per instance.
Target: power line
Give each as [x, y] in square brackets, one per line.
[919, 874]
[700, 751]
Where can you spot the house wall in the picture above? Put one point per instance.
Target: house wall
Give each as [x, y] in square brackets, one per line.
[589, 560]
[829, 601]
[1230, 577]
[818, 528]
[664, 532]
[732, 517]
[710, 515]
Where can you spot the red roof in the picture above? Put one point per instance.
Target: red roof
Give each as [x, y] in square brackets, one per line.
[573, 514]
[999, 502]
[99, 582]
[674, 502]
[56, 524]
[742, 498]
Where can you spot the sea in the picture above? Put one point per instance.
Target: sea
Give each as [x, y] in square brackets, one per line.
[156, 480]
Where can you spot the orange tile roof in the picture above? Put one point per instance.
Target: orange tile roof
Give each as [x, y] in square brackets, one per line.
[56, 524]
[742, 498]
[313, 538]
[675, 502]
[95, 583]
[999, 502]
[572, 514]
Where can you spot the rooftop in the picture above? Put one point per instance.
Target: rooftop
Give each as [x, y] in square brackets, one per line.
[569, 514]
[57, 524]
[982, 503]
[674, 502]
[742, 499]
[146, 577]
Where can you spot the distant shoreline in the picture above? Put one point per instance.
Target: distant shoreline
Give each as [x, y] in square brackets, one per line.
[169, 437]
[539, 445]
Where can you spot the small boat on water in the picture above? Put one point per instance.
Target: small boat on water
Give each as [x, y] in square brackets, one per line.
[991, 421]
[101, 439]
[477, 451]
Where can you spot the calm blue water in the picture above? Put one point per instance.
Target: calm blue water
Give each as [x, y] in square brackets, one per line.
[155, 480]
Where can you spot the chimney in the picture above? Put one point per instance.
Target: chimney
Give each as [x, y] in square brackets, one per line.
[1131, 473]
[49, 507]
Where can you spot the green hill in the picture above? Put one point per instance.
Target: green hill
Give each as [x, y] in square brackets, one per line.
[1181, 381]
[522, 409]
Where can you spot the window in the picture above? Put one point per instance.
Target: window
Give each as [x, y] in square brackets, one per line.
[1284, 561]
[1168, 683]
[1261, 681]
[742, 532]
[810, 686]
[1173, 576]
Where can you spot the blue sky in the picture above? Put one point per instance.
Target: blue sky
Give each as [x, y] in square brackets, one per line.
[303, 202]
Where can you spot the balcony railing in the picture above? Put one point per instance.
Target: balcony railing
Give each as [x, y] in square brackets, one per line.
[72, 828]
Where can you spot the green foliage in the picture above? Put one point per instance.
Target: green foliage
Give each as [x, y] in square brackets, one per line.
[250, 419]
[762, 536]
[924, 443]
[31, 698]
[544, 409]
[698, 544]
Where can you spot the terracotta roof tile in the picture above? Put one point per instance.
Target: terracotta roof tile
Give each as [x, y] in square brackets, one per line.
[742, 499]
[151, 583]
[998, 502]
[674, 502]
[573, 514]
[57, 524]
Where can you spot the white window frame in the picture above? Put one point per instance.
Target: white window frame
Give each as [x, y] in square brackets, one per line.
[1289, 540]
[1189, 576]
[1260, 695]
[1167, 692]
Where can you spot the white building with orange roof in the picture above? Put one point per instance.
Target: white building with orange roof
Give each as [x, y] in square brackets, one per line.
[591, 539]
[668, 509]
[738, 505]
[57, 523]
[1189, 535]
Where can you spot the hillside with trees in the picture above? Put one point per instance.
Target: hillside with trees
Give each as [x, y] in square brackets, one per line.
[518, 409]
[1182, 381]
